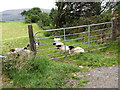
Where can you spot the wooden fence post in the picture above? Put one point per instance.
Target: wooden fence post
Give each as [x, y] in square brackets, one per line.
[114, 29]
[31, 39]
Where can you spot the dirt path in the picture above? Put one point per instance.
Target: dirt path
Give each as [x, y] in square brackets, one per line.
[102, 77]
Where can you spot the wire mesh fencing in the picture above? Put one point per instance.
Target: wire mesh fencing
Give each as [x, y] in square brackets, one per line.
[90, 37]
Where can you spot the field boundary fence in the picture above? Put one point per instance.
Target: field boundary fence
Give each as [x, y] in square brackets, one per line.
[93, 35]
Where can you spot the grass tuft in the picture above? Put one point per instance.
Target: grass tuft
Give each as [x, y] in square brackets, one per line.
[93, 59]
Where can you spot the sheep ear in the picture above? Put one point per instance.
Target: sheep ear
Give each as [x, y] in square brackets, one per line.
[12, 50]
[58, 45]
[25, 47]
[38, 43]
[28, 45]
[54, 43]
[71, 47]
[18, 55]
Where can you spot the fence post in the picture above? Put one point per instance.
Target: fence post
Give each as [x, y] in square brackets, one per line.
[114, 27]
[31, 39]
[64, 42]
[89, 38]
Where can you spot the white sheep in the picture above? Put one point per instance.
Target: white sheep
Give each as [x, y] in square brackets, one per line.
[73, 50]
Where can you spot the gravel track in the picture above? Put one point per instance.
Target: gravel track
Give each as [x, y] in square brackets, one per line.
[102, 77]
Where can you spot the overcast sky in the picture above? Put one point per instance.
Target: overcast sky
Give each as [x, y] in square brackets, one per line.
[19, 4]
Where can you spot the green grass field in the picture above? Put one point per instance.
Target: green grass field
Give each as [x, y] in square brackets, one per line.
[15, 35]
[12, 30]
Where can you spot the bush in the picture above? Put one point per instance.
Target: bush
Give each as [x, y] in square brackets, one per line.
[40, 72]
[14, 63]
[44, 20]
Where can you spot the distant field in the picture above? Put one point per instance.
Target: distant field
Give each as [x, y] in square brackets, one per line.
[12, 30]
[15, 35]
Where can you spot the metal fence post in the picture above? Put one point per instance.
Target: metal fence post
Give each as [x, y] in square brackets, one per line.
[89, 38]
[31, 39]
[64, 40]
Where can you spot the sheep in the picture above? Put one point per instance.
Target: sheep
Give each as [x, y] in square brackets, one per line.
[14, 53]
[17, 49]
[73, 50]
[57, 39]
[20, 50]
[37, 45]
[19, 53]
[62, 47]
[58, 43]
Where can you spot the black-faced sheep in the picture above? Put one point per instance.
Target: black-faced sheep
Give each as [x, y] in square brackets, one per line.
[19, 53]
[57, 41]
[60, 45]
[73, 50]
[37, 45]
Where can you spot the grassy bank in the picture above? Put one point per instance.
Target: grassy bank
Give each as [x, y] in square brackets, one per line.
[40, 72]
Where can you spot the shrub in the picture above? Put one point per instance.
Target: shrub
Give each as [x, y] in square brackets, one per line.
[14, 63]
[40, 72]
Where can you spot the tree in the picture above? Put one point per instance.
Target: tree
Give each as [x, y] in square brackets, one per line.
[32, 15]
[27, 19]
[113, 6]
[24, 13]
[117, 8]
[53, 15]
[44, 19]
[69, 11]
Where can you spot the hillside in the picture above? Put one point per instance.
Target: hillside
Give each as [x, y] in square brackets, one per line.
[14, 15]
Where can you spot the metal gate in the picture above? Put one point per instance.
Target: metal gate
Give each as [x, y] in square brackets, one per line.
[90, 37]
